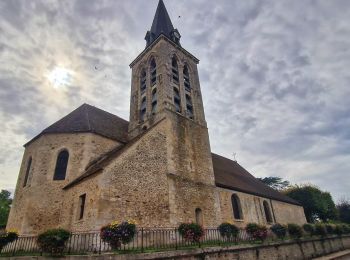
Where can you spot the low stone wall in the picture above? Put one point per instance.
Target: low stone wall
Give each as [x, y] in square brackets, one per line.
[289, 249]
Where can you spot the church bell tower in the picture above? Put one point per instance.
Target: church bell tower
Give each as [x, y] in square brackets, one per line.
[164, 77]
[165, 86]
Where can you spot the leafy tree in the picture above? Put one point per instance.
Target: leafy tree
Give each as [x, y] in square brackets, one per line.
[5, 202]
[343, 208]
[276, 183]
[318, 205]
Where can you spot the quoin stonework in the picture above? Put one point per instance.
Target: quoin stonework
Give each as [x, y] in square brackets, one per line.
[92, 167]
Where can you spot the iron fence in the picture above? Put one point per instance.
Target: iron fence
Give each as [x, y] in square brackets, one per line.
[145, 239]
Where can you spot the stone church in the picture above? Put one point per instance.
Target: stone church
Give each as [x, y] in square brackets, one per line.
[92, 167]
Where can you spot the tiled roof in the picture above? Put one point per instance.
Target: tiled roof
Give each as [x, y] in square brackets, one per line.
[90, 119]
[229, 174]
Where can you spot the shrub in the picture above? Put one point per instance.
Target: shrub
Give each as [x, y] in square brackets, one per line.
[191, 232]
[295, 230]
[346, 229]
[338, 229]
[258, 232]
[228, 230]
[330, 229]
[117, 233]
[320, 230]
[309, 228]
[53, 241]
[279, 230]
[7, 237]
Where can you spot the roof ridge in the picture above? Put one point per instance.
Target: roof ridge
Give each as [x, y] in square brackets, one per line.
[105, 111]
[87, 116]
[104, 158]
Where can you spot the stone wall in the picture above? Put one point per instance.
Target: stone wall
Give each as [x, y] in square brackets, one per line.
[253, 210]
[39, 204]
[133, 185]
[163, 51]
[288, 213]
[291, 250]
[159, 181]
[191, 175]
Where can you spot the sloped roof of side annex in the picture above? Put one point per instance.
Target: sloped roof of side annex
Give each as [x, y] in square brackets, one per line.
[89, 119]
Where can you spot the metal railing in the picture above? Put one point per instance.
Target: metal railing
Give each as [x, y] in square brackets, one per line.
[145, 239]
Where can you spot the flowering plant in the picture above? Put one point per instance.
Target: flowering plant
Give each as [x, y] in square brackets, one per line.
[116, 233]
[256, 231]
[53, 241]
[191, 232]
[228, 230]
[7, 237]
[279, 230]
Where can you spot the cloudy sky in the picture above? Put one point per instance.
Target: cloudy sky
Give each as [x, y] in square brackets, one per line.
[274, 75]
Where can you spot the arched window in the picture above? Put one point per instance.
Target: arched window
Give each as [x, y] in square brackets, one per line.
[29, 164]
[186, 79]
[153, 71]
[175, 71]
[199, 216]
[267, 212]
[236, 207]
[61, 165]
[143, 109]
[143, 78]
[177, 100]
[189, 107]
[154, 101]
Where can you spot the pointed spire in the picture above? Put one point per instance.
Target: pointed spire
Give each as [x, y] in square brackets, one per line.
[162, 25]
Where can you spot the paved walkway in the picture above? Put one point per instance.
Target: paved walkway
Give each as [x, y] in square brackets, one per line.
[343, 255]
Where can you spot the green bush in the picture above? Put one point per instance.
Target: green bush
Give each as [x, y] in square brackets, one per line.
[295, 230]
[258, 232]
[117, 233]
[309, 228]
[330, 229]
[191, 232]
[228, 230]
[320, 230]
[338, 229]
[53, 241]
[279, 230]
[346, 229]
[7, 237]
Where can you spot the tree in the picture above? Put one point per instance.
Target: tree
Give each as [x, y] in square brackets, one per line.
[343, 208]
[5, 203]
[318, 205]
[276, 183]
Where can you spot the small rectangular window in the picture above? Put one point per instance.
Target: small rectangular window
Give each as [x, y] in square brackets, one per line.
[82, 199]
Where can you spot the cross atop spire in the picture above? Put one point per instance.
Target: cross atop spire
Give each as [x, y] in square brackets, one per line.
[162, 25]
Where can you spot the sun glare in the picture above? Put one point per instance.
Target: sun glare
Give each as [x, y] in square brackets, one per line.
[60, 77]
